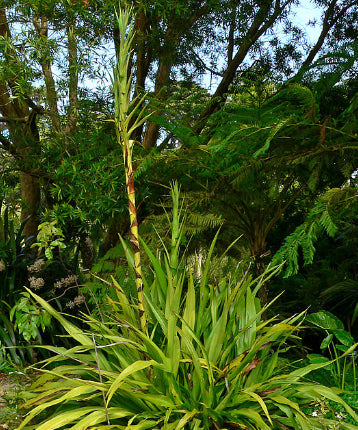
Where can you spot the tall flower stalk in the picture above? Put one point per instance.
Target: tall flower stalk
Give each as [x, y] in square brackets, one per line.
[125, 109]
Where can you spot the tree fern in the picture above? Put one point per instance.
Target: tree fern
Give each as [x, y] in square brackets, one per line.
[324, 217]
[250, 170]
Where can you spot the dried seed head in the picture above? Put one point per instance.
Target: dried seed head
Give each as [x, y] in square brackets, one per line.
[36, 283]
[37, 266]
[57, 285]
[66, 282]
[2, 266]
[79, 300]
[70, 305]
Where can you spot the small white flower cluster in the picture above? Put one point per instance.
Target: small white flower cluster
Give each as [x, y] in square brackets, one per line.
[36, 283]
[65, 282]
[77, 301]
[37, 266]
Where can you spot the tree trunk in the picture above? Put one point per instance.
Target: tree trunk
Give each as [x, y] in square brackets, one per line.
[162, 78]
[30, 203]
[72, 116]
[24, 139]
[151, 135]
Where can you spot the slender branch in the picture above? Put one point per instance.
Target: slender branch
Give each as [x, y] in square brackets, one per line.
[6, 119]
[175, 29]
[165, 142]
[230, 48]
[73, 79]
[38, 109]
[214, 72]
[41, 26]
[71, 358]
[326, 26]
[329, 20]
[281, 211]
[259, 26]
[63, 294]
[106, 282]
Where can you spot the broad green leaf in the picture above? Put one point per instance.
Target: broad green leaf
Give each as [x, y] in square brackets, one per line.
[252, 416]
[344, 337]
[126, 307]
[48, 253]
[185, 419]
[325, 320]
[317, 358]
[61, 419]
[207, 266]
[189, 314]
[303, 422]
[100, 416]
[283, 400]
[173, 344]
[259, 400]
[198, 389]
[127, 251]
[157, 313]
[153, 350]
[326, 341]
[155, 399]
[130, 370]
[217, 338]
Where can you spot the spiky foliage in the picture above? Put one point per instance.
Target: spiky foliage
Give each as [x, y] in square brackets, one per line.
[208, 359]
[124, 112]
[14, 258]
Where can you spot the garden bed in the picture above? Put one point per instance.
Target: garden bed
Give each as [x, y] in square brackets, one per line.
[11, 386]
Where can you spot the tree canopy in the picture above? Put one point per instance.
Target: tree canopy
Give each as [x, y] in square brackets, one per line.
[254, 121]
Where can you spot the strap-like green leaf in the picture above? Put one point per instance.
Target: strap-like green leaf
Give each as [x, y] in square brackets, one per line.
[129, 371]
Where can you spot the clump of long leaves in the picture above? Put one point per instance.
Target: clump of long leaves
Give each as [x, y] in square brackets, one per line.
[207, 360]
[14, 253]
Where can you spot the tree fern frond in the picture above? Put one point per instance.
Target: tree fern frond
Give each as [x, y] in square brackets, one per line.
[325, 216]
[198, 223]
[245, 173]
[328, 223]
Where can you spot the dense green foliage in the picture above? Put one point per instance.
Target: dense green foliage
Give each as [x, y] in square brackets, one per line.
[103, 106]
[208, 359]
